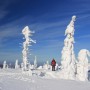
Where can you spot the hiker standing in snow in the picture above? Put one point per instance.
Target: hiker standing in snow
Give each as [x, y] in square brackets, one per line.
[53, 64]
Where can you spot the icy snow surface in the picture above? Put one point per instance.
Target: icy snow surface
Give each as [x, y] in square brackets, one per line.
[12, 79]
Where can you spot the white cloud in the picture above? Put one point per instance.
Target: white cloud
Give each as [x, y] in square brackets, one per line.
[49, 30]
[83, 36]
[44, 30]
[3, 7]
[10, 30]
[53, 44]
[3, 14]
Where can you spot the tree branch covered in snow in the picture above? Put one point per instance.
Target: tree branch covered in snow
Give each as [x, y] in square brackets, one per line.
[27, 33]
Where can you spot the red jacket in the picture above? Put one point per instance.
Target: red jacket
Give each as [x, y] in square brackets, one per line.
[53, 63]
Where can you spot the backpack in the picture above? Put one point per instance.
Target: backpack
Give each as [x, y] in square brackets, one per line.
[53, 63]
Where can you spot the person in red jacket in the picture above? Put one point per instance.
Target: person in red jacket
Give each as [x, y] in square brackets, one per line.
[53, 64]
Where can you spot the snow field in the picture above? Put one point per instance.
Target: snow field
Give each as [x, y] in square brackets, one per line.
[12, 79]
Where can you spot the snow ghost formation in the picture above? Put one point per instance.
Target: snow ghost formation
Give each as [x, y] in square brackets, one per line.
[35, 63]
[27, 33]
[56, 67]
[16, 64]
[4, 65]
[46, 65]
[82, 65]
[68, 57]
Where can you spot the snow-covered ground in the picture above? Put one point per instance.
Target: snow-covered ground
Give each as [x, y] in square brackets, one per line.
[11, 79]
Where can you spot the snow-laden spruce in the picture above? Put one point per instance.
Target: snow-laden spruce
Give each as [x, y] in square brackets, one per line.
[16, 64]
[4, 65]
[68, 57]
[27, 33]
[46, 65]
[82, 65]
[35, 63]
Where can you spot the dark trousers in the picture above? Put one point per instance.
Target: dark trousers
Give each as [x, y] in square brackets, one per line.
[53, 68]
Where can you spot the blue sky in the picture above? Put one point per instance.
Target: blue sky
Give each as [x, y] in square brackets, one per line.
[49, 19]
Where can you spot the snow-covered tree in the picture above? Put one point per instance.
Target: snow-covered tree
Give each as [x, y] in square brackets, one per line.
[68, 57]
[82, 65]
[16, 64]
[35, 63]
[27, 33]
[4, 65]
[56, 67]
[46, 65]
